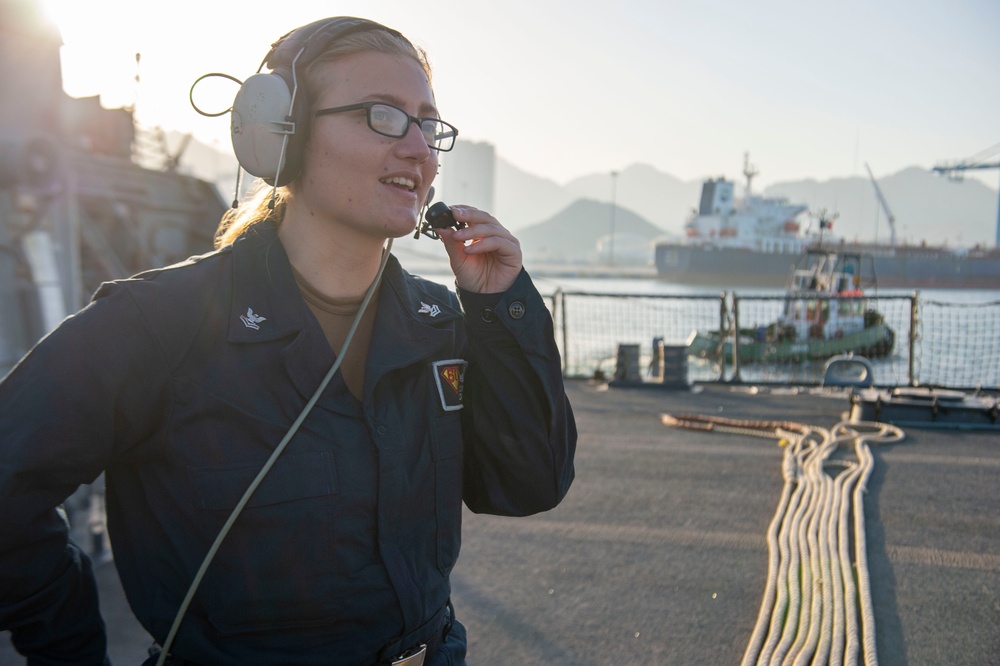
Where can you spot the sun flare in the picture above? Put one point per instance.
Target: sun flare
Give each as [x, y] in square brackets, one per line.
[97, 57]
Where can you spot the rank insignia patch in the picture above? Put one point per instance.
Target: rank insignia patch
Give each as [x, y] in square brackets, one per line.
[449, 376]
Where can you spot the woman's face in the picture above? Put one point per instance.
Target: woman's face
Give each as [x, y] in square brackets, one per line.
[353, 177]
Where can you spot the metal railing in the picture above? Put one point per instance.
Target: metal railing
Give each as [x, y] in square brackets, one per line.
[953, 345]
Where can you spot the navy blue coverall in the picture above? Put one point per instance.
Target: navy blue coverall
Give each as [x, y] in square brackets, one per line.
[180, 382]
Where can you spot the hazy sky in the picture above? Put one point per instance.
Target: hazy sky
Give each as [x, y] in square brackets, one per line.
[568, 88]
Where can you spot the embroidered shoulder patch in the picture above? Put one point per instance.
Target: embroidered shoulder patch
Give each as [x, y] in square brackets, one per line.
[449, 377]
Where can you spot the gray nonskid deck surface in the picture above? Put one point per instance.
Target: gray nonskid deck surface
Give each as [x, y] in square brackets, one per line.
[658, 555]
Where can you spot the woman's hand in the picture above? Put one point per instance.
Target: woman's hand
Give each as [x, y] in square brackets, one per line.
[485, 257]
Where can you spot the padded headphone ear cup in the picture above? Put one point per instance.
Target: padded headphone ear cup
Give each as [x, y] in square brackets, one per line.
[263, 138]
[258, 122]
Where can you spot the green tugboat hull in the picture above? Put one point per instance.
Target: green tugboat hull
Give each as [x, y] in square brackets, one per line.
[875, 341]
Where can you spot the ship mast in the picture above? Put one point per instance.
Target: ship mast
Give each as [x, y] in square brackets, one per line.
[749, 171]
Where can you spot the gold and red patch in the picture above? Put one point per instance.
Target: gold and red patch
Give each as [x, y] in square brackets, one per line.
[449, 376]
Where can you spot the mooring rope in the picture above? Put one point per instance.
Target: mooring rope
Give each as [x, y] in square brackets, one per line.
[817, 605]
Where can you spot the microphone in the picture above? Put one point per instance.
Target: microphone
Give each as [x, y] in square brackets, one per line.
[439, 216]
[436, 216]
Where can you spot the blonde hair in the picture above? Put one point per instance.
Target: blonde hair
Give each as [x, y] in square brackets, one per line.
[256, 206]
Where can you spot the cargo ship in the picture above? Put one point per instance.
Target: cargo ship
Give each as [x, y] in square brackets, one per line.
[756, 241]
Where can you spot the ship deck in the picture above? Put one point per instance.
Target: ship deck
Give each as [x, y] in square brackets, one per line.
[658, 555]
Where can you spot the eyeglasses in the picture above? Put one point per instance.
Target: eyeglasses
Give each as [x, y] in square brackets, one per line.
[389, 120]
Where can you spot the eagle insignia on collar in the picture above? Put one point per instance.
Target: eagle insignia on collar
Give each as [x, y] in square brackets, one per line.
[252, 320]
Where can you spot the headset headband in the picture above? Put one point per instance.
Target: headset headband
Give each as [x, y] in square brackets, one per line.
[312, 39]
[270, 116]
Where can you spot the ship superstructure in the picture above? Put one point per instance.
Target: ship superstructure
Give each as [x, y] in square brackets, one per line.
[756, 223]
[77, 206]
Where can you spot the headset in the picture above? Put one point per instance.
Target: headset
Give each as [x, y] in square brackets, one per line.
[269, 120]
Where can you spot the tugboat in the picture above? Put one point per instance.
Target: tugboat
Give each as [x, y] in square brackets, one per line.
[825, 313]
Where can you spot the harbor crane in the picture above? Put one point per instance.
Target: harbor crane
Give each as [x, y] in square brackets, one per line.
[885, 206]
[956, 170]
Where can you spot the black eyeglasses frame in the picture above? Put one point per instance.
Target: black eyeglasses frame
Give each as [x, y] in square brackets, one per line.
[451, 131]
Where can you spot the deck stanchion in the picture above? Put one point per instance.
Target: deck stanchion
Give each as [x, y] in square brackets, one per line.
[911, 378]
[736, 341]
[723, 318]
[565, 328]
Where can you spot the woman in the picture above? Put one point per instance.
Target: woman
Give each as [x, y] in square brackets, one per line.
[181, 383]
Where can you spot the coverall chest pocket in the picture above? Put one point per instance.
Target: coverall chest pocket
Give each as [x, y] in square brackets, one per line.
[446, 448]
[273, 568]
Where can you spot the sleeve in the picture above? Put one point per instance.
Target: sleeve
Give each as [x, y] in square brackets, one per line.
[89, 385]
[518, 426]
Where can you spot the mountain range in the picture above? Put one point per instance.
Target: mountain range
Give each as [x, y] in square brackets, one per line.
[926, 207]
[567, 222]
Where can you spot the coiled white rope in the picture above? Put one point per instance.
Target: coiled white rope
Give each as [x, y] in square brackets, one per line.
[817, 606]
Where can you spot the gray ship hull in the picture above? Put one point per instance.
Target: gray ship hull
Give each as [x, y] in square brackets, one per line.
[899, 267]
